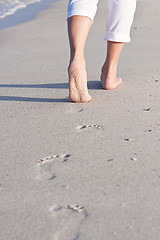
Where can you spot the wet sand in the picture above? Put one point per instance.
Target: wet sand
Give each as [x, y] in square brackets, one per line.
[79, 171]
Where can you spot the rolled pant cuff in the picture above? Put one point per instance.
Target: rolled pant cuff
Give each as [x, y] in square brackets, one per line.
[116, 37]
[79, 12]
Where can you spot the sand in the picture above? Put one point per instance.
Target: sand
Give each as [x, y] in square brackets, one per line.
[78, 171]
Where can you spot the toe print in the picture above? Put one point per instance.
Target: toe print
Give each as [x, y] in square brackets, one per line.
[89, 126]
[75, 208]
[63, 158]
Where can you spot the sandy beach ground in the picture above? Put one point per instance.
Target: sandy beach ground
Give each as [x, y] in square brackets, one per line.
[78, 171]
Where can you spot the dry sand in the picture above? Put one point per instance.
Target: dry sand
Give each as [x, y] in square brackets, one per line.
[78, 171]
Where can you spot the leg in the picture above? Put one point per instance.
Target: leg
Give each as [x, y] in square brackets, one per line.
[80, 16]
[78, 28]
[109, 69]
[119, 21]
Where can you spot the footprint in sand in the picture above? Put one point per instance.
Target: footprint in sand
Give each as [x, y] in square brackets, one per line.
[89, 126]
[68, 221]
[45, 166]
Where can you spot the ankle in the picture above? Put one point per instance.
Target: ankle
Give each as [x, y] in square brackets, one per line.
[78, 59]
[109, 68]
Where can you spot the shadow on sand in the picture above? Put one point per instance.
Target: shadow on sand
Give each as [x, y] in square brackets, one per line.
[29, 99]
[91, 85]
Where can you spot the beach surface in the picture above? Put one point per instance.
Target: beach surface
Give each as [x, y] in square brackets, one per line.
[78, 171]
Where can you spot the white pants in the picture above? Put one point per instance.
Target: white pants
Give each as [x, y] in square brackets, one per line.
[119, 19]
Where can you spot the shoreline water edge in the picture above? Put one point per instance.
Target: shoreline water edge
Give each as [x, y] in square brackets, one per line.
[9, 7]
[14, 12]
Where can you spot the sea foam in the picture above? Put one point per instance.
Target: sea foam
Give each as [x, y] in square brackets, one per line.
[8, 7]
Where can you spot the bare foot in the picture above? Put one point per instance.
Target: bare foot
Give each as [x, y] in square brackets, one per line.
[78, 91]
[109, 81]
